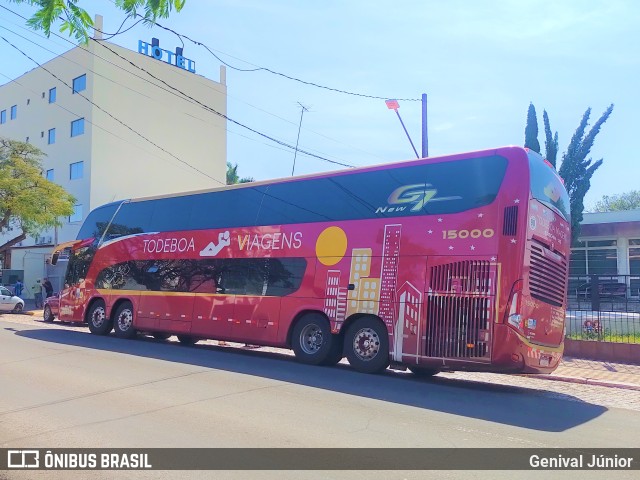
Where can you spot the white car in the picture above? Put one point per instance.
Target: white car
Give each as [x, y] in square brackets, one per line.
[9, 302]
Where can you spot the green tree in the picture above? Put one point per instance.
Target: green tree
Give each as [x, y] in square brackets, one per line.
[614, 203]
[550, 142]
[29, 203]
[77, 22]
[232, 175]
[531, 130]
[576, 169]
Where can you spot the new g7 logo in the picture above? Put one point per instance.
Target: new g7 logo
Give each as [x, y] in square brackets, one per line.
[419, 193]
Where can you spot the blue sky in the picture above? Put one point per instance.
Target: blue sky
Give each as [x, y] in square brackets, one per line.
[480, 63]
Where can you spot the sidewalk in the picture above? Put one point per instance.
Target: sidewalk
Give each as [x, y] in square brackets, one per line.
[593, 372]
[574, 370]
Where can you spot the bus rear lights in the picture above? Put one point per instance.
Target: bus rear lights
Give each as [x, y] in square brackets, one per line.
[471, 345]
[514, 318]
[516, 322]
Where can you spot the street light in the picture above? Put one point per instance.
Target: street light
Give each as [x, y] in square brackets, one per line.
[394, 105]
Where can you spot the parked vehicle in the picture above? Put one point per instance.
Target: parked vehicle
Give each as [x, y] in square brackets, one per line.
[9, 302]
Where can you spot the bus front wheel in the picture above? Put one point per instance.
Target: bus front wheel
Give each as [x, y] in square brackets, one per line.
[311, 339]
[98, 322]
[123, 321]
[367, 345]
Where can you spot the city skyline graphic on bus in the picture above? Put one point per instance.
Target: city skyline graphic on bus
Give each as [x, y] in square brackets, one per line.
[376, 295]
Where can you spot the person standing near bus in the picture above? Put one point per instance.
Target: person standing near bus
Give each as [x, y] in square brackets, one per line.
[48, 288]
[37, 293]
[18, 288]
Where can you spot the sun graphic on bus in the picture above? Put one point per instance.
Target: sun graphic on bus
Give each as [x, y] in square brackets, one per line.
[331, 245]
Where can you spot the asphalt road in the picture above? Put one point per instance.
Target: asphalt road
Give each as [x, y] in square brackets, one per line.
[63, 387]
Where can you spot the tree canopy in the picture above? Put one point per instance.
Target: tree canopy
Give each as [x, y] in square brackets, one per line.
[233, 177]
[76, 21]
[576, 169]
[615, 203]
[531, 130]
[29, 203]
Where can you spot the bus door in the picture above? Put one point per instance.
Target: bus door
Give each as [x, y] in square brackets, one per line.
[73, 296]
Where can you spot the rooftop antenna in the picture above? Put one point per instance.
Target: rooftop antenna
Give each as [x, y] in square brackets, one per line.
[295, 154]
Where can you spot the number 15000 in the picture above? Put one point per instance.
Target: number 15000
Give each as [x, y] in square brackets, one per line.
[476, 233]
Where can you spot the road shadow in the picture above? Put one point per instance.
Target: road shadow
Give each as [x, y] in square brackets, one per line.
[509, 405]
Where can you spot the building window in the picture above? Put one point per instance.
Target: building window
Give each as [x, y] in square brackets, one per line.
[49, 175]
[79, 83]
[594, 257]
[77, 127]
[76, 216]
[14, 112]
[52, 95]
[3, 116]
[76, 170]
[634, 266]
[52, 136]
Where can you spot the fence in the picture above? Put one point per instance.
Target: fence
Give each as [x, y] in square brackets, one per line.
[604, 308]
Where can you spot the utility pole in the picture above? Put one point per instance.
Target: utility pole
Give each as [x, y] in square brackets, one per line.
[295, 153]
[425, 138]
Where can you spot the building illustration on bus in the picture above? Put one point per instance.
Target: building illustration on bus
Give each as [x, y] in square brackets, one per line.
[452, 263]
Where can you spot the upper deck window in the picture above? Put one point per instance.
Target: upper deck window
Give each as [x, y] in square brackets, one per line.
[547, 187]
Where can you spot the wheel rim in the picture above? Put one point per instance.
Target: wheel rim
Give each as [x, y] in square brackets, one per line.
[98, 317]
[17, 308]
[125, 319]
[47, 312]
[366, 344]
[311, 339]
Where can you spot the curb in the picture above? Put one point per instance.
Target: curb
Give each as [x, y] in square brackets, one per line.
[588, 381]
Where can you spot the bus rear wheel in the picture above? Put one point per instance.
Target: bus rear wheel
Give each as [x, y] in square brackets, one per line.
[423, 372]
[123, 321]
[98, 322]
[367, 345]
[187, 340]
[161, 335]
[311, 339]
[336, 352]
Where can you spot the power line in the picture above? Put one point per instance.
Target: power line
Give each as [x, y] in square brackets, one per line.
[110, 115]
[186, 96]
[212, 110]
[274, 72]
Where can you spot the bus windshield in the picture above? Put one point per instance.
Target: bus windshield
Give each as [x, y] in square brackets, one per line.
[547, 188]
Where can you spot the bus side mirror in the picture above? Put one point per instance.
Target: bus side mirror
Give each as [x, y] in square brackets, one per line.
[54, 258]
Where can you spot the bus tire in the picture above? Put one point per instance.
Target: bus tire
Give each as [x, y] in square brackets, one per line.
[161, 335]
[336, 352]
[97, 319]
[423, 372]
[311, 339]
[123, 321]
[366, 345]
[47, 315]
[187, 340]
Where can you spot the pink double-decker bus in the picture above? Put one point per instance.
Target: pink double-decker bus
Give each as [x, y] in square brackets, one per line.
[449, 263]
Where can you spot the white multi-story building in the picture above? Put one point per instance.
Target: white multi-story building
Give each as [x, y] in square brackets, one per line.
[114, 124]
